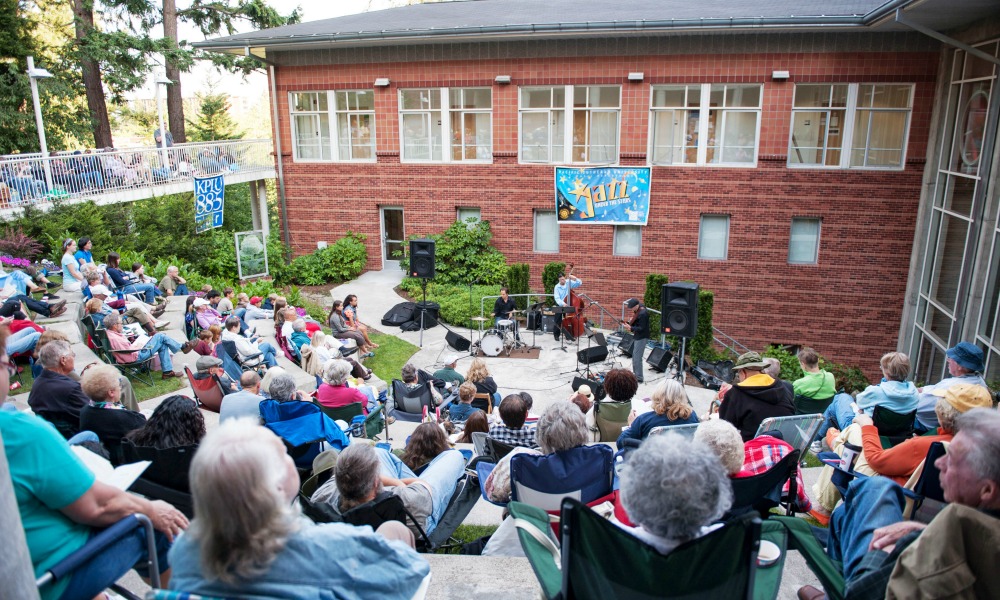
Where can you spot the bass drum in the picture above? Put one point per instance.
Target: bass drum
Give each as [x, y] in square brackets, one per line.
[492, 343]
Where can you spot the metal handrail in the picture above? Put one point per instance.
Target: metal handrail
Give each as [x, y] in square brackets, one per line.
[77, 176]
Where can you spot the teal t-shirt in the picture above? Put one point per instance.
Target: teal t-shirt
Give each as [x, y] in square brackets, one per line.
[816, 385]
[46, 476]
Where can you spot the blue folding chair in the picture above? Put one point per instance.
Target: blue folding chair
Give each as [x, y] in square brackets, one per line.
[303, 427]
[583, 473]
[93, 550]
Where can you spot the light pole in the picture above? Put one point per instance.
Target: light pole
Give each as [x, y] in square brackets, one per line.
[34, 75]
[160, 81]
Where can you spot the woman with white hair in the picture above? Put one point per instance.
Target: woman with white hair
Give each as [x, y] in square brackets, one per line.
[334, 391]
[670, 407]
[673, 489]
[262, 547]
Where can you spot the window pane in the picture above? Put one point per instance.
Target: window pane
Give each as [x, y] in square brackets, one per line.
[603, 137]
[628, 240]
[307, 137]
[746, 96]
[808, 133]
[535, 136]
[546, 231]
[809, 96]
[605, 97]
[669, 97]
[804, 244]
[474, 98]
[303, 102]
[884, 96]
[580, 96]
[363, 100]
[667, 136]
[536, 98]
[421, 99]
[713, 237]
[991, 299]
[881, 133]
[416, 137]
[691, 136]
[739, 137]
[356, 139]
[464, 214]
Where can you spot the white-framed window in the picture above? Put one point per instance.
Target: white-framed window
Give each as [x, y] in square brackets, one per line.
[469, 212]
[546, 231]
[592, 127]
[446, 124]
[713, 237]
[803, 244]
[628, 240]
[850, 125]
[705, 124]
[352, 134]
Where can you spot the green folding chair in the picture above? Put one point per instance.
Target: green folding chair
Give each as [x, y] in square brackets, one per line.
[374, 422]
[600, 560]
[800, 537]
[804, 405]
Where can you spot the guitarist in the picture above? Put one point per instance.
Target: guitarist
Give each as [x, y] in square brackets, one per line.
[560, 293]
[638, 325]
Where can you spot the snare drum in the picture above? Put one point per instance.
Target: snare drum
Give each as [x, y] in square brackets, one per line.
[505, 326]
[492, 343]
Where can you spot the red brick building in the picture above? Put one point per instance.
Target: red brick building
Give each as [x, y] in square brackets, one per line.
[789, 154]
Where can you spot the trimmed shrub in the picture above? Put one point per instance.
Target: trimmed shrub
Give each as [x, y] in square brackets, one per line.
[550, 277]
[654, 287]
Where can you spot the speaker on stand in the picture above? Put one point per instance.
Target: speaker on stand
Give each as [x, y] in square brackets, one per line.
[422, 266]
[679, 308]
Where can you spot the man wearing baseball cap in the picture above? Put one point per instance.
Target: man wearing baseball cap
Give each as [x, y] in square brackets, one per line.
[755, 396]
[965, 365]
[448, 373]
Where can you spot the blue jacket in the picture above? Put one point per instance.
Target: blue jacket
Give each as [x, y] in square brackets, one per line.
[897, 396]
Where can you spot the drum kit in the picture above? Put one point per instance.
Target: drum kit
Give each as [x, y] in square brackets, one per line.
[502, 339]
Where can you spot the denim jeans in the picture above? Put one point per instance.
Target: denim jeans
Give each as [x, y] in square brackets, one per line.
[638, 350]
[163, 346]
[182, 290]
[145, 289]
[871, 503]
[253, 313]
[269, 354]
[19, 279]
[838, 414]
[129, 551]
[441, 475]
[22, 341]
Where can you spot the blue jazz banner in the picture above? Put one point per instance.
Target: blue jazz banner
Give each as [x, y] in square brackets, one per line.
[602, 195]
[209, 198]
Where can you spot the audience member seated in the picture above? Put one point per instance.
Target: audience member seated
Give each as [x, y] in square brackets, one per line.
[965, 365]
[262, 547]
[177, 422]
[773, 370]
[72, 277]
[299, 336]
[561, 427]
[479, 375]
[673, 489]
[127, 283]
[139, 273]
[247, 348]
[225, 305]
[511, 429]
[265, 381]
[752, 458]
[22, 342]
[205, 346]
[581, 400]
[100, 308]
[327, 348]
[244, 403]
[211, 366]
[448, 373]
[84, 254]
[900, 461]
[815, 383]
[459, 412]
[755, 396]
[365, 472]
[12, 306]
[894, 392]
[408, 374]
[354, 321]
[173, 284]
[956, 555]
[205, 314]
[425, 444]
[105, 415]
[670, 407]
[620, 386]
[160, 345]
[62, 506]
[254, 310]
[334, 391]
[19, 282]
[478, 422]
[341, 331]
[54, 394]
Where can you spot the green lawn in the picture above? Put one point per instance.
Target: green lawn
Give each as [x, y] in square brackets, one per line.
[469, 533]
[390, 356]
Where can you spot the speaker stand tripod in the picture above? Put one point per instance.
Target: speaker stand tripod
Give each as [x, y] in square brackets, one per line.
[423, 309]
[680, 362]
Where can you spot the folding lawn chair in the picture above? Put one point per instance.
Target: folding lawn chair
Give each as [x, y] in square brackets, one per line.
[893, 427]
[167, 477]
[409, 403]
[611, 417]
[139, 369]
[600, 560]
[583, 473]
[304, 429]
[797, 430]
[207, 390]
[804, 405]
[372, 425]
[762, 492]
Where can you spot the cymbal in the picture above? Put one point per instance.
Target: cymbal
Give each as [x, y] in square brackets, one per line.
[516, 312]
[479, 319]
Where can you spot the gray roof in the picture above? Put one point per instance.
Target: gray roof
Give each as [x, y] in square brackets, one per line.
[483, 20]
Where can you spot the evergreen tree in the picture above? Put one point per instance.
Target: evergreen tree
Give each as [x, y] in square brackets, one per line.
[214, 121]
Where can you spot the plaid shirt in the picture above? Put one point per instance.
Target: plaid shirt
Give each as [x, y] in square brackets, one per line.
[524, 436]
[762, 453]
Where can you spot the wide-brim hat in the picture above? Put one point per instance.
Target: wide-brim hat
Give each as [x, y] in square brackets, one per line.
[967, 355]
[586, 391]
[965, 396]
[750, 360]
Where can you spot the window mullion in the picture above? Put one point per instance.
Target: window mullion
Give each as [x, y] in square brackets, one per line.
[704, 111]
[847, 140]
[568, 116]
[334, 119]
[446, 124]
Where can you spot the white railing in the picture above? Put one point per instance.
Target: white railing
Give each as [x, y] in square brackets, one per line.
[30, 179]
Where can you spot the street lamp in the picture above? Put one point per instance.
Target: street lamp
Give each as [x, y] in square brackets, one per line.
[160, 81]
[34, 75]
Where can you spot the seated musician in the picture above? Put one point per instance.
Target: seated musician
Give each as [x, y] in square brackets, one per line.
[503, 307]
[561, 294]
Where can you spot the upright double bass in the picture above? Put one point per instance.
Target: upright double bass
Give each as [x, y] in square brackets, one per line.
[573, 322]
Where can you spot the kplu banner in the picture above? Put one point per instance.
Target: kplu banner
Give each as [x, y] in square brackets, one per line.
[602, 195]
[209, 198]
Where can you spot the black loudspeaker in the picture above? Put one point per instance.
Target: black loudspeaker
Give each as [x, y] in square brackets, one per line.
[457, 342]
[592, 354]
[595, 386]
[679, 305]
[422, 258]
[626, 344]
[534, 320]
[548, 324]
[659, 359]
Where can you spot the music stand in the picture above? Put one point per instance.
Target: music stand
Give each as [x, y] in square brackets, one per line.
[535, 308]
[564, 333]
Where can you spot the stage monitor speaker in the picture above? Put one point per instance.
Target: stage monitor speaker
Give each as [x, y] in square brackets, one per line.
[626, 343]
[422, 258]
[457, 342]
[548, 324]
[679, 308]
[659, 359]
[595, 386]
[592, 354]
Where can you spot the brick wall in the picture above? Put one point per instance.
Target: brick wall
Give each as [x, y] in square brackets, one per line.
[847, 306]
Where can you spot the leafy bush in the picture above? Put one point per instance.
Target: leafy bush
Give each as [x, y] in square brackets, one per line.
[849, 379]
[16, 243]
[463, 255]
[519, 281]
[654, 290]
[343, 260]
[790, 367]
[550, 277]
